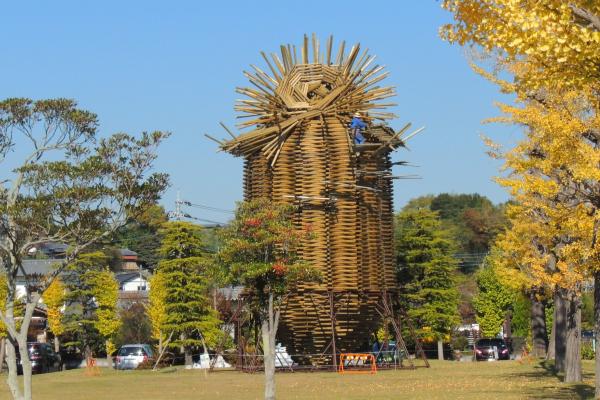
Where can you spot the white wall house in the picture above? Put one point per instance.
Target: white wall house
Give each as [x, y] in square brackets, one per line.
[135, 285]
[132, 282]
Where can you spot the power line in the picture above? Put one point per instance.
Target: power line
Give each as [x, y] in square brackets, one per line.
[179, 213]
[208, 208]
[202, 219]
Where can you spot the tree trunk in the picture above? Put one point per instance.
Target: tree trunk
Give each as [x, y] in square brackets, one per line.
[269, 332]
[109, 358]
[440, 344]
[2, 353]
[56, 344]
[573, 355]
[11, 380]
[560, 329]
[26, 365]
[551, 344]
[539, 332]
[597, 328]
[188, 356]
[160, 342]
[269, 361]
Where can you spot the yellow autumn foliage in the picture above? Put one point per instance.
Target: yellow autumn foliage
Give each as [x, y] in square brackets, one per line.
[157, 306]
[54, 299]
[106, 294]
[558, 40]
[553, 175]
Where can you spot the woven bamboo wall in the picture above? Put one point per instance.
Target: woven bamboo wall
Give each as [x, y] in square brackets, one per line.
[301, 151]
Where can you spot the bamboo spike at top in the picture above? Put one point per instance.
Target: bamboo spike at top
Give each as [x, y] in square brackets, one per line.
[358, 64]
[291, 55]
[351, 58]
[273, 70]
[278, 63]
[315, 46]
[340, 57]
[227, 129]
[264, 77]
[305, 50]
[220, 142]
[285, 95]
[329, 44]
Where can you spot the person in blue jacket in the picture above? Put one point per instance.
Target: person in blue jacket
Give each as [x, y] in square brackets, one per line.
[357, 125]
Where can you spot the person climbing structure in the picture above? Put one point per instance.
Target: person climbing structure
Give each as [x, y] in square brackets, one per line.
[357, 125]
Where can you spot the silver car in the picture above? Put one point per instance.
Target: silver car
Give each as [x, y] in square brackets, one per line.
[130, 356]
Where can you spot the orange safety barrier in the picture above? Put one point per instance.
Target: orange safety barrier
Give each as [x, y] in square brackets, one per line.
[91, 369]
[357, 363]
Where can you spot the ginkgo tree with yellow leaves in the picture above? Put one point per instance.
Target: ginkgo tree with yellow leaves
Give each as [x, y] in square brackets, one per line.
[105, 289]
[54, 299]
[552, 49]
[559, 40]
[157, 310]
[555, 179]
[516, 251]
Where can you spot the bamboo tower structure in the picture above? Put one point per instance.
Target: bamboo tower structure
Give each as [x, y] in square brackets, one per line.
[300, 150]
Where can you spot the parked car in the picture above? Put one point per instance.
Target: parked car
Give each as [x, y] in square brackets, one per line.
[491, 349]
[43, 358]
[130, 356]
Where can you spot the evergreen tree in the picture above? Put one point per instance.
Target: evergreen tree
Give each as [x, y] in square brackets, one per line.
[185, 271]
[492, 303]
[426, 273]
[79, 319]
[521, 316]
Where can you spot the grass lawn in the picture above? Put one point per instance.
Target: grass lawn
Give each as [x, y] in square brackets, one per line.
[444, 380]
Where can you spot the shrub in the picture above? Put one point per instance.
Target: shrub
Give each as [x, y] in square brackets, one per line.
[587, 351]
[460, 342]
[148, 364]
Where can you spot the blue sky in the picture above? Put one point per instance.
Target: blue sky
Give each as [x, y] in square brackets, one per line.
[174, 66]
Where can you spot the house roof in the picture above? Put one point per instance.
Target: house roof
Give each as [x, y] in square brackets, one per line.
[124, 277]
[53, 248]
[39, 267]
[127, 253]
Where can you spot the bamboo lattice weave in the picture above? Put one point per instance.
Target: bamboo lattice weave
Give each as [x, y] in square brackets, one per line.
[300, 150]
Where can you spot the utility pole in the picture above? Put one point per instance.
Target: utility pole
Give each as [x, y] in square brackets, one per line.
[178, 214]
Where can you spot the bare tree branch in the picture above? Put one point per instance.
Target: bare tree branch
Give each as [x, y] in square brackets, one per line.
[590, 17]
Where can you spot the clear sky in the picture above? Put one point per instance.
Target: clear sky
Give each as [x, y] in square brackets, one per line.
[174, 65]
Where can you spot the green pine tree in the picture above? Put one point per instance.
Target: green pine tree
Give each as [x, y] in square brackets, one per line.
[426, 273]
[189, 315]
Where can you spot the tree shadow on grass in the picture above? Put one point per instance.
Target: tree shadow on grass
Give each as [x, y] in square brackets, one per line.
[545, 371]
[575, 391]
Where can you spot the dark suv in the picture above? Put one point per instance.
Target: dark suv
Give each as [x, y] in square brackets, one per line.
[43, 358]
[491, 349]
